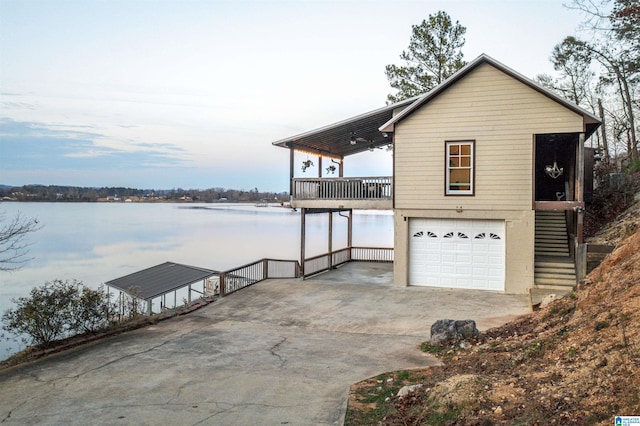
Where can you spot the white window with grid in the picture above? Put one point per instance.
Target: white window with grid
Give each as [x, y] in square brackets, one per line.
[459, 168]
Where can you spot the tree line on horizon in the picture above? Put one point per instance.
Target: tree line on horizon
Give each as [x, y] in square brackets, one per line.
[59, 193]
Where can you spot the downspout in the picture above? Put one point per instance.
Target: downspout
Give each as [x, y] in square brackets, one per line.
[393, 170]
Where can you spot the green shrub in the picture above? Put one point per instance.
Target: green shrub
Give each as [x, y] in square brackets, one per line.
[57, 310]
[92, 310]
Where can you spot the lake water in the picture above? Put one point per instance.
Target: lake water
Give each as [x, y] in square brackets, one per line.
[98, 242]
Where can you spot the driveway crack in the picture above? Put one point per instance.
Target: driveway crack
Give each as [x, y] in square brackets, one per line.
[275, 347]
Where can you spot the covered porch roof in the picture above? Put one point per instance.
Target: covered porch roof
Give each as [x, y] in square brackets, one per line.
[347, 137]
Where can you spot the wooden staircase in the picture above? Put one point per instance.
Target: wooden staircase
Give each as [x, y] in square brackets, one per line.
[555, 270]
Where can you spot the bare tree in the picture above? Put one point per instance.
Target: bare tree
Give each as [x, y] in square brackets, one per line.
[614, 48]
[13, 244]
[574, 65]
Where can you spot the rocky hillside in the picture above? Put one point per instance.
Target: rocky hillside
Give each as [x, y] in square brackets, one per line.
[576, 361]
[614, 214]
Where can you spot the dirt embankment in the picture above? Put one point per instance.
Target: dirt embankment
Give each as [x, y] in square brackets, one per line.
[614, 213]
[576, 361]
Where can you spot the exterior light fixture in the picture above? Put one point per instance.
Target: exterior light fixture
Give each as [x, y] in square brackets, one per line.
[554, 171]
[353, 140]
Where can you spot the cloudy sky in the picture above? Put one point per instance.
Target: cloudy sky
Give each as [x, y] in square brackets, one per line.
[191, 93]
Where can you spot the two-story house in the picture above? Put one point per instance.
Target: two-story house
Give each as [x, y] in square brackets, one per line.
[488, 185]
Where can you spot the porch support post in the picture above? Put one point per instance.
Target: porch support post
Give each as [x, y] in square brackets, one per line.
[350, 232]
[319, 165]
[149, 303]
[302, 240]
[341, 167]
[291, 160]
[330, 239]
[581, 249]
[580, 187]
[580, 169]
[350, 229]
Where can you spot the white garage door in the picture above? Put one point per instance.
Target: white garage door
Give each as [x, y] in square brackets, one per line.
[457, 253]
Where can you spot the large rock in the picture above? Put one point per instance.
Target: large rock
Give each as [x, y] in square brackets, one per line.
[548, 299]
[406, 390]
[448, 331]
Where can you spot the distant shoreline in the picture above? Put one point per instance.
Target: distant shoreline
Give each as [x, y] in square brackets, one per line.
[279, 204]
[169, 201]
[74, 194]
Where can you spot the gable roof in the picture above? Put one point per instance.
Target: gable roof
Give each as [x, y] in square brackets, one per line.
[591, 122]
[333, 140]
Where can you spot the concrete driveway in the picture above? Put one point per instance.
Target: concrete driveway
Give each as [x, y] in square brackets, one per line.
[279, 352]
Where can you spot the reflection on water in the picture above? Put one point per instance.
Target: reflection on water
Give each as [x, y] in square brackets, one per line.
[97, 242]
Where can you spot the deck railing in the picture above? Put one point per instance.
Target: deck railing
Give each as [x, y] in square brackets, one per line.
[317, 264]
[353, 188]
[246, 275]
[232, 280]
[327, 261]
[372, 254]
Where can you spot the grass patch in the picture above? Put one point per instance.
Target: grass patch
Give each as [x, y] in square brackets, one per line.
[364, 418]
[432, 349]
[532, 350]
[441, 418]
[445, 353]
[372, 400]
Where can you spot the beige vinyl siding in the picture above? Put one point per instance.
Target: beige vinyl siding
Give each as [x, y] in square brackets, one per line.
[501, 115]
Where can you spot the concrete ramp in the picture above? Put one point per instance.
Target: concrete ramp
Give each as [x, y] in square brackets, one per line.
[278, 352]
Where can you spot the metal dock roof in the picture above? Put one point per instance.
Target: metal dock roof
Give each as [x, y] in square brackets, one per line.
[160, 279]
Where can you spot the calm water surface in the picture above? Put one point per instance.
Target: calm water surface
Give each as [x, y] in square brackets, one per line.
[97, 242]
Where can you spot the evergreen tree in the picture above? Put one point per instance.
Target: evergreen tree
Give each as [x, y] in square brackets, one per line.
[434, 54]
